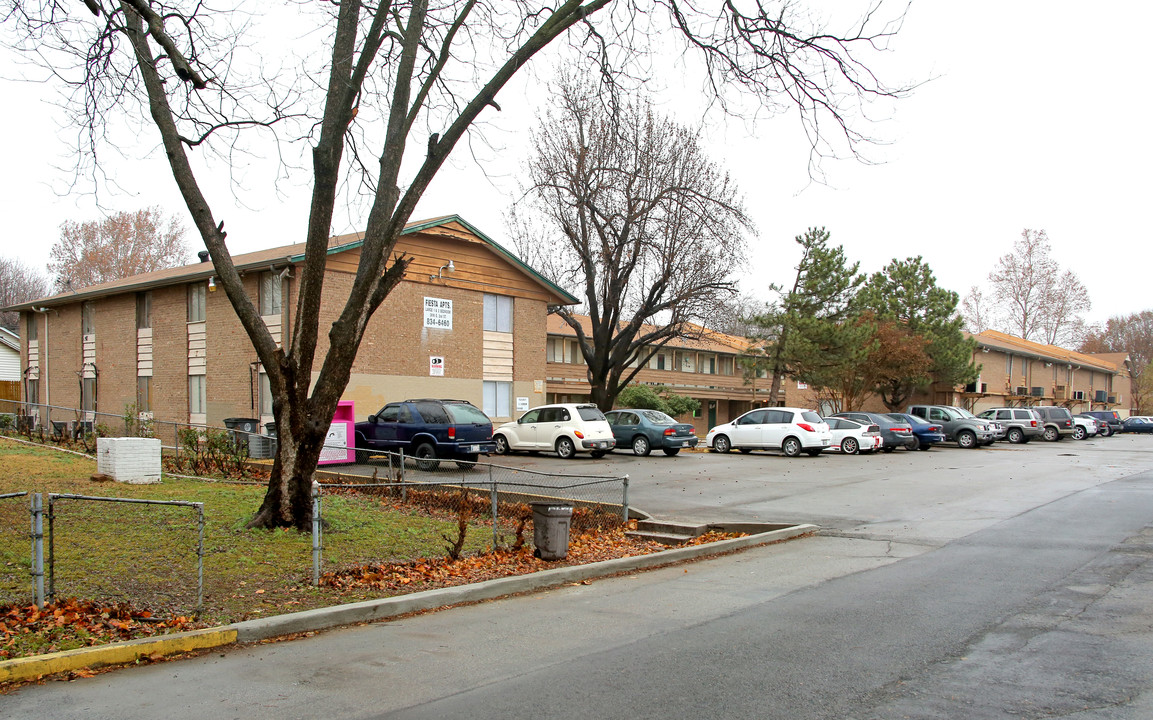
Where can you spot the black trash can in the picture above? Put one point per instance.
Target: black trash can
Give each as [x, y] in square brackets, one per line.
[239, 429]
[270, 428]
[550, 524]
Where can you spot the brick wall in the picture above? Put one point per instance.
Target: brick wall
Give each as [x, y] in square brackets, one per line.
[170, 354]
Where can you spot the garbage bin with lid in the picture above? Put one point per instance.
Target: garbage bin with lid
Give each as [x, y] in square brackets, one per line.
[270, 428]
[550, 523]
[239, 429]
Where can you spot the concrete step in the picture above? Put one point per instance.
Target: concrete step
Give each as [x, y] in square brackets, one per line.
[674, 528]
[663, 538]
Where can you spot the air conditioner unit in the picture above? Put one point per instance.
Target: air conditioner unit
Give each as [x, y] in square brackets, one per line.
[1112, 399]
[261, 447]
[1078, 394]
[1022, 390]
[984, 387]
[1059, 392]
[1037, 392]
[1099, 396]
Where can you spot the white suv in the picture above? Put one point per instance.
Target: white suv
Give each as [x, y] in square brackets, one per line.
[565, 429]
[790, 430]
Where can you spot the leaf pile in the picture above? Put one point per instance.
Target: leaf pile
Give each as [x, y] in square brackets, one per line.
[429, 573]
[72, 623]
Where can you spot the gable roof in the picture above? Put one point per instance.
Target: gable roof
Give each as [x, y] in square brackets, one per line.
[1004, 342]
[706, 340]
[275, 258]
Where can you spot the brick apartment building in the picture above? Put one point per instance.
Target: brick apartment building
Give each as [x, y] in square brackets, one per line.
[705, 368]
[1020, 373]
[467, 322]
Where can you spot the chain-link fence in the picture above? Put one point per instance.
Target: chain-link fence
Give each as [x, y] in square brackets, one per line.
[147, 552]
[469, 506]
[16, 585]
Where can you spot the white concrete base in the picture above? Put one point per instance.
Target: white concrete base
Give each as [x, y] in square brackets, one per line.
[129, 459]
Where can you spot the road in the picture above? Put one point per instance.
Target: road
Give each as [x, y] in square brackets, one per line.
[1008, 582]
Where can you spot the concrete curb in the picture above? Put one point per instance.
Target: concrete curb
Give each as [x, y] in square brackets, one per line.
[370, 610]
[31, 668]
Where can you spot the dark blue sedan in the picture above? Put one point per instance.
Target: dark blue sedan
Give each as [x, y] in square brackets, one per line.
[1137, 424]
[644, 430]
[927, 433]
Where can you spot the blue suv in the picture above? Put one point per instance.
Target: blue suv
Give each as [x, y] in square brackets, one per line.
[429, 430]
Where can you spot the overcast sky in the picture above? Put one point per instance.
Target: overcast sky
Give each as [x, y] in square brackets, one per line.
[1036, 117]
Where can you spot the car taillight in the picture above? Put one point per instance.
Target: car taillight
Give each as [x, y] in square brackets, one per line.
[806, 427]
[579, 434]
[903, 429]
[1033, 423]
[670, 431]
[451, 432]
[936, 428]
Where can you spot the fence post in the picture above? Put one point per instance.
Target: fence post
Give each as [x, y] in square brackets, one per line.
[37, 509]
[495, 515]
[625, 499]
[315, 533]
[200, 560]
[400, 478]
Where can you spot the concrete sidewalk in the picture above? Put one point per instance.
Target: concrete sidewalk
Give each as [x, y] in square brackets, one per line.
[31, 668]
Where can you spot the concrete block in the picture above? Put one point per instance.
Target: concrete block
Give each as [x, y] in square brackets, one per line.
[130, 459]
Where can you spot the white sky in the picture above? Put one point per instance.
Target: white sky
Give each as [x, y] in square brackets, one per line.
[1037, 118]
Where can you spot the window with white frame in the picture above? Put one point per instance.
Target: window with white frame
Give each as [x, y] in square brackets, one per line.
[197, 394]
[497, 399]
[554, 350]
[497, 313]
[197, 302]
[270, 293]
[265, 394]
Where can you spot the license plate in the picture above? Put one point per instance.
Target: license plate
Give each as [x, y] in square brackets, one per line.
[826, 442]
[685, 443]
[472, 449]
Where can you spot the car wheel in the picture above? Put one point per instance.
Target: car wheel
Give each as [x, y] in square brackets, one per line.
[1107, 432]
[671, 451]
[598, 453]
[915, 444]
[966, 439]
[924, 446]
[1016, 436]
[791, 447]
[1052, 434]
[888, 449]
[849, 446]
[565, 448]
[641, 446]
[426, 457]
[721, 444]
[745, 451]
[1079, 433]
[814, 453]
[501, 444]
[468, 463]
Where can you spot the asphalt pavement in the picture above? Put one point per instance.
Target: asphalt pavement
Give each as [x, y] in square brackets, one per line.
[1007, 582]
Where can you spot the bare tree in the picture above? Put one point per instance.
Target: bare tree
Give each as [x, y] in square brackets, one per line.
[18, 284]
[383, 94]
[975, 310]
[1035, 299]
[1131, 334]
[119, 246]
[648, 229]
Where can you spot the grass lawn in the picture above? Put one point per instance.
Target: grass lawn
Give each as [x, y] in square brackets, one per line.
[145, 555]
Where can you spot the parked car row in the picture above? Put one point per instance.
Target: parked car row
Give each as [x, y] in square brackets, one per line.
[432, 430]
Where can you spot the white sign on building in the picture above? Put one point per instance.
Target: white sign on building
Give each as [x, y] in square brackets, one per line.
[438, 313]
[436, 365]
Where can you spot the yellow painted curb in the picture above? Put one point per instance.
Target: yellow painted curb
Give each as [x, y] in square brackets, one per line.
[31, 668]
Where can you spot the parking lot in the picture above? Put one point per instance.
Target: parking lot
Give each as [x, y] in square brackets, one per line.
[926, 497]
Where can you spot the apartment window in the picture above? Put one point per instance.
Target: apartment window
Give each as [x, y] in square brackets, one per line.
[87, 319]
[575, 355]
[726, 366]
[33, 328]
[88, 394]
[270, 293]
[497, 399]
[143, 310]
[197, 302]
[144, 394]
[197, 394]
[660, 361]
[33, 391]
[554, 350]
[709, 365]
[497, 313]
[265, 394]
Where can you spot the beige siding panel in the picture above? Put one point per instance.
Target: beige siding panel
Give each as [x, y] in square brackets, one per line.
[89, 356]
[33, 359]
[144, 352]
[274, 324]
[197, 349]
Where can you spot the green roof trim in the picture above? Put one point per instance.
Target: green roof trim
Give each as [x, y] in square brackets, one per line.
[500, 250]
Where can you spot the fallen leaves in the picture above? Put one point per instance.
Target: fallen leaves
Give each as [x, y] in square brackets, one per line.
[73, 623]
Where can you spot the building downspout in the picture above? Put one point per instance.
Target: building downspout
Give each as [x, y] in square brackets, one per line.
[47, 338]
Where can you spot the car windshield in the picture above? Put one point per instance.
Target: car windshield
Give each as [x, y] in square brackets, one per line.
[959, 413]
[462, 413]
[657, 417]
[590, 413]
[898, 417]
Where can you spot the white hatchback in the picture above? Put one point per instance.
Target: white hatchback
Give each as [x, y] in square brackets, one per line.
[791, 430]
[565, 429]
